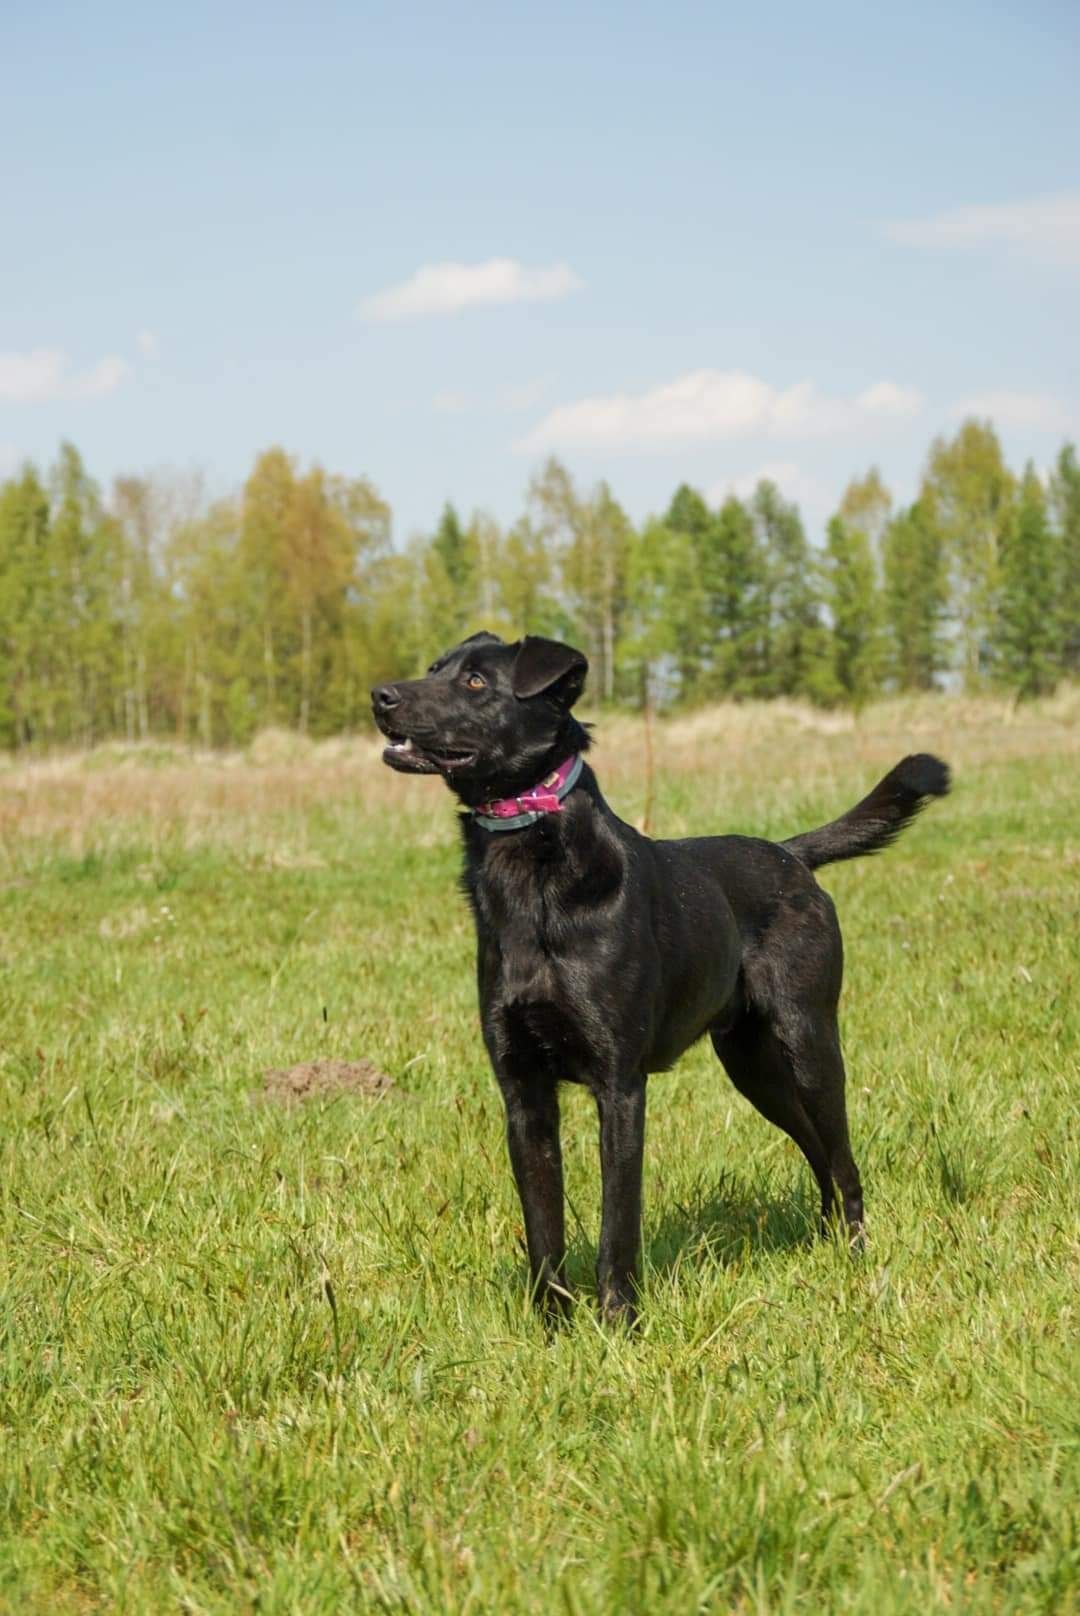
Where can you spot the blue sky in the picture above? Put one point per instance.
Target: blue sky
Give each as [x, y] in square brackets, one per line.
[432, 244]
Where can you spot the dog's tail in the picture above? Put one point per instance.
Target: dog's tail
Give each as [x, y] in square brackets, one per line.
[878, 820]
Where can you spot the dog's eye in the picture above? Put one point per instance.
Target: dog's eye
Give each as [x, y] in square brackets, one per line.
[475, 681]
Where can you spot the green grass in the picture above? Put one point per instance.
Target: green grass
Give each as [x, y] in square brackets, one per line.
[282, 1360]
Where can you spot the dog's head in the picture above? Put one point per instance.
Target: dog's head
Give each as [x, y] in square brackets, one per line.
[491, 718]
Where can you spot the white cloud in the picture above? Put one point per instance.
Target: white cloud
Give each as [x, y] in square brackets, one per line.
[45, 373]
[714, 406]
[1046, 228]
[148, 344]
[1034, 411]
[449, 288]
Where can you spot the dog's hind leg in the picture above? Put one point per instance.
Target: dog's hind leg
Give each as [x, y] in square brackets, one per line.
[820, 1081]
[797, 1082]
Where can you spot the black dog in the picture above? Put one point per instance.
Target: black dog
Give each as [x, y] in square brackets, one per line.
[603, 955]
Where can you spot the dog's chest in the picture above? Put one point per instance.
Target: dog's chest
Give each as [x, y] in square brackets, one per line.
[534, 996]
[526, 971]
[537, 1020]
[520, 898]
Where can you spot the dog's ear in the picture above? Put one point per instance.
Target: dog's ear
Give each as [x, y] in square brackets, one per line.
[547, 667]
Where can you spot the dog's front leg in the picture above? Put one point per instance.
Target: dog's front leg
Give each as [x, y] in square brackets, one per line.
[622, 1146]
[532, 1132]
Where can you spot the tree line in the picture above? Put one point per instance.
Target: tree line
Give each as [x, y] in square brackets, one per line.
[155, 611]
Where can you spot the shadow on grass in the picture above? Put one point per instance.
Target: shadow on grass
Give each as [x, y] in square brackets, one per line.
[729, 1222]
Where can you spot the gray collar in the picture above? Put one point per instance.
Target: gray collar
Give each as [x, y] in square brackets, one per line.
[547, 797]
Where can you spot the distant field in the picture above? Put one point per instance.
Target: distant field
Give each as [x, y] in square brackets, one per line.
[279, 1358]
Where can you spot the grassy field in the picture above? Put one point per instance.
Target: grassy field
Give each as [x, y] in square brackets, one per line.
[280, 1359]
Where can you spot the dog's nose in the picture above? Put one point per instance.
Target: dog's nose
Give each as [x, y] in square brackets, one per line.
[383, 697]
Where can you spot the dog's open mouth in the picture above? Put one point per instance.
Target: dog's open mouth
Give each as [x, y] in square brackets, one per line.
[404, 754]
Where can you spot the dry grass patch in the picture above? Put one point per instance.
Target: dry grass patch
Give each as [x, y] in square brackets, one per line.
[92, 801]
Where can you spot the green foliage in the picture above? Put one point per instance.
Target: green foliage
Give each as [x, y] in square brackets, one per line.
[719, 599]
[660, 573]
[25, 594]
[526, 579]
[153, 612]
[734, 576]
[590, 536]
[451, 547]
[851, 596]
[966, 497]
[81, 591]
[855, 565]
[1028, 637]
[687, 524]
[915, 599]
[301, 545]
[867, 506]
[797, 656]
[1065, 503]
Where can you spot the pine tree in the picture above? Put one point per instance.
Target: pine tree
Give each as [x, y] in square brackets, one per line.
[1028, 637]
[448, 583]
[797, 645]
[450, 544]
[688, 520]
[915, 599]
[1065, 502]
[659, 563]
[851, 596]
[733, 580]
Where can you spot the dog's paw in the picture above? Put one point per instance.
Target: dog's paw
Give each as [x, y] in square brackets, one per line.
[618, 1311]
[858, 1240]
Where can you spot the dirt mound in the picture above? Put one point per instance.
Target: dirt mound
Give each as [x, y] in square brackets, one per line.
[321, 1080]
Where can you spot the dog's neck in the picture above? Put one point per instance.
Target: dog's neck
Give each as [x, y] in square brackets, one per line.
[540, 872]
[542, 832]
[515, 813]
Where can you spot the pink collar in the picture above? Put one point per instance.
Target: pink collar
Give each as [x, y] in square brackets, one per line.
[511, 813]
